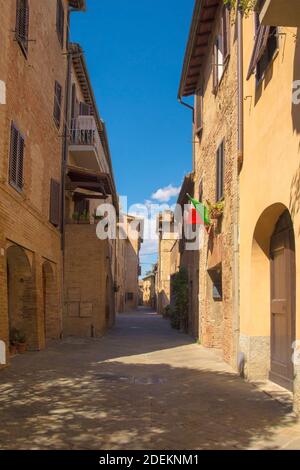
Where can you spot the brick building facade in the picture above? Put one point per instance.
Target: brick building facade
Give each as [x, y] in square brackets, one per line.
[33, 67]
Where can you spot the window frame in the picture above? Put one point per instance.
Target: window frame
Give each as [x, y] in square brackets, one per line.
[17, 181]
[220, 171]
[57, 108]
[60, 22]
[198, 111]
[22, 23]
[219, 54]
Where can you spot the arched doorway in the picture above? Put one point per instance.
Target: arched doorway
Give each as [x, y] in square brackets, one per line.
[21, 295]
[50, 303]
[283, 288]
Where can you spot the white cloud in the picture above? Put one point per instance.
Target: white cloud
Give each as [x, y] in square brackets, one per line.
[165, 194]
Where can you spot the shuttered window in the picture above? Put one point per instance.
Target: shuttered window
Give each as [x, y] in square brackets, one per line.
[265, 45]
[221, 48]
[84, 109]
[22, 24]
[201, 191]
[16, 158]
[60, 22]
[57, 104]
[199, 111]
[54, 202]
[220, 173]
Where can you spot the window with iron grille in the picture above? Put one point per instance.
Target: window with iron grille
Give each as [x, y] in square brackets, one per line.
[54, 202]
[22, 24]
[16, 158]
[57, 104]
[60, 22]
[220, 173]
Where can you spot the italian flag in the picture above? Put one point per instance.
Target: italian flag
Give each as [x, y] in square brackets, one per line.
[201, 210]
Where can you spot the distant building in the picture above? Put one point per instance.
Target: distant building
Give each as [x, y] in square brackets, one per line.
[149, 297]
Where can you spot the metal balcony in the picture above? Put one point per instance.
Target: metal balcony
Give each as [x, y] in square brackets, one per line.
[280, 13]
[85, 148]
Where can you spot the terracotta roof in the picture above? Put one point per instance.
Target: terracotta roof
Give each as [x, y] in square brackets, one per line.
[187, 187]
[198, 44]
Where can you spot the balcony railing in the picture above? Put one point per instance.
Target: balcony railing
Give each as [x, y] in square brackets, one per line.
[85, 143]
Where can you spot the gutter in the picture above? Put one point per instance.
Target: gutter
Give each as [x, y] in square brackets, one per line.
[240, 87]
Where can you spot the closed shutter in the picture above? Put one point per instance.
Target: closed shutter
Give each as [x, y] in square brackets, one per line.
[60, 22]
[220, 173]
[226, 32]
[84, 109]
[16, 160]
[215, 67]
[57, 103]
[54, 202]
[22, 24]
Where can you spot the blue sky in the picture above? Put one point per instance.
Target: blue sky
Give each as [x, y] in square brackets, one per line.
[134, 51]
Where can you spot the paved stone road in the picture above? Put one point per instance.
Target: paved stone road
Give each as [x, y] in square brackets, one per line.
[143, 386]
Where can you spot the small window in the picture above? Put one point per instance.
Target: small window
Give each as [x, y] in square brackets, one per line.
[57, 104]
[84, 109]
[60, 22]
[22, 25]
[54, 202]
[16, 158]
[220, 173]
[198, 111]
[221, 48]
[216, 277]
[201, 191]
[129, 296]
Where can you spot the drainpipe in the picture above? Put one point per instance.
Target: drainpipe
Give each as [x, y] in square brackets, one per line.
[193, 139]
[238, 166]
[64, 160]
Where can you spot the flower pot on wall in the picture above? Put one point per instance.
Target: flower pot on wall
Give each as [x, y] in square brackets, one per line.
[21, 348]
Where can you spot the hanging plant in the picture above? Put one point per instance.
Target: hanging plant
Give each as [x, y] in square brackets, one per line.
[246, 5]
[216, 210]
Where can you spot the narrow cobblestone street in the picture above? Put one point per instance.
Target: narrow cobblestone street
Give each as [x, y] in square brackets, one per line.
[142, 386]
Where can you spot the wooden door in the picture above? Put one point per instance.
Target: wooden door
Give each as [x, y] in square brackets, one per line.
[282, 257]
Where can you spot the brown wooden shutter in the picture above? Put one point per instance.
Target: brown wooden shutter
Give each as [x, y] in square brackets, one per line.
[199, 111]
[84, 109]
[260, 44]
[22, 24]
[16, 159]
[54, 202]
[215, 67]
[226, 32]
[60, 22]
[57, 103]
[220, 173]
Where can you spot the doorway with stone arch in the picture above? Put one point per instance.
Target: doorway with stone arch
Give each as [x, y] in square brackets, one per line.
[21, 295]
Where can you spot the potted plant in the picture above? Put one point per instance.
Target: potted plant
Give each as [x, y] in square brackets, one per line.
[75, 216]
[84, 217]
[12, 342]
[216, 210]
[246, 5]
[97, 217]
[21, 342]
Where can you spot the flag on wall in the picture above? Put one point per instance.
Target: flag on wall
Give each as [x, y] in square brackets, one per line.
[200, 209]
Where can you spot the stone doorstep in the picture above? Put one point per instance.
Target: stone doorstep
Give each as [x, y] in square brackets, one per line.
[276, 392]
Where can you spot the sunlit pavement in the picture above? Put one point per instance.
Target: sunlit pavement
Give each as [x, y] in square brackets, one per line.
[142, 386]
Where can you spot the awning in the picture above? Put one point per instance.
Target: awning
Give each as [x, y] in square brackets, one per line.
[90, 181]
